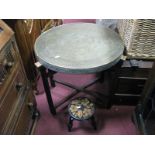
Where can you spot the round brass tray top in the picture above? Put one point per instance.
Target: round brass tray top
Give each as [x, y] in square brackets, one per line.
[81, 108]
[79, 48]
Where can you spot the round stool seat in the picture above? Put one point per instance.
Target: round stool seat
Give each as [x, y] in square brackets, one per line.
[81, 108]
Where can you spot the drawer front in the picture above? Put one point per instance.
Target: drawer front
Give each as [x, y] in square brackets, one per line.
[25, 120]
[135, 73]
[125, 100]
[9, 99]
[128, 86]
[7, 105]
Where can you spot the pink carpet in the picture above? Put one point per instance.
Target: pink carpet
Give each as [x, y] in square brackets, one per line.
[116, 121]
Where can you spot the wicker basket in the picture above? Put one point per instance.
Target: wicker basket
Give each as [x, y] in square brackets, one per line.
[138, 36]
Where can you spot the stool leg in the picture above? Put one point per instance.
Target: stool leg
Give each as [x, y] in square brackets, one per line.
[93, 122]
[70, 124]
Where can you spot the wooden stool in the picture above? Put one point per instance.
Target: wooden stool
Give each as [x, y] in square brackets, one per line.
[81, 109]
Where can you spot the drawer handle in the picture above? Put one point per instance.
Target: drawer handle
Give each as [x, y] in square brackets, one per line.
[30, 104]
[19, 86]
[9, 65]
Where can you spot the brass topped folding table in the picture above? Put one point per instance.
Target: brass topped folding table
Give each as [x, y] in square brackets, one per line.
[76, 48]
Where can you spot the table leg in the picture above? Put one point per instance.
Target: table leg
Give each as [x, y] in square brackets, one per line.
[47, 89]
[93, 122]
[70, 124]
[50, 74]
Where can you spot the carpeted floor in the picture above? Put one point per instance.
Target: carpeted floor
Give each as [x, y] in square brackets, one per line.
[116, 121]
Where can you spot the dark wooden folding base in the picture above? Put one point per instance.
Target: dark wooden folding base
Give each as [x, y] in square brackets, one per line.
[47, 75]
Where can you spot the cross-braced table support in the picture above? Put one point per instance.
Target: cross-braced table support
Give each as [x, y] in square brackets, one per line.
[49, 74]
[45, 74]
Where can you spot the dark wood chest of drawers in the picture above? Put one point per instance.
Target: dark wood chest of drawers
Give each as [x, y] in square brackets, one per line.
[17, 103]
[128, 83]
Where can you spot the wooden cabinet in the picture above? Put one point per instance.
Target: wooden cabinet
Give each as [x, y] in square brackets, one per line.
[16, 114]
[128, 83]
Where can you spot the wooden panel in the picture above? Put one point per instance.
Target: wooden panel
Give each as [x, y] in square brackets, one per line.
[5, 34]
[24, 121]
[7, 105]
[14, 87]
[43, 22]
[32, 30]
[128, 82]
[144, 114]
[7, 55]
[142, 71]
[50, 23]
[135, 73]
[125, 100]
[26, 32]
[127, 86]
[9, 99]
